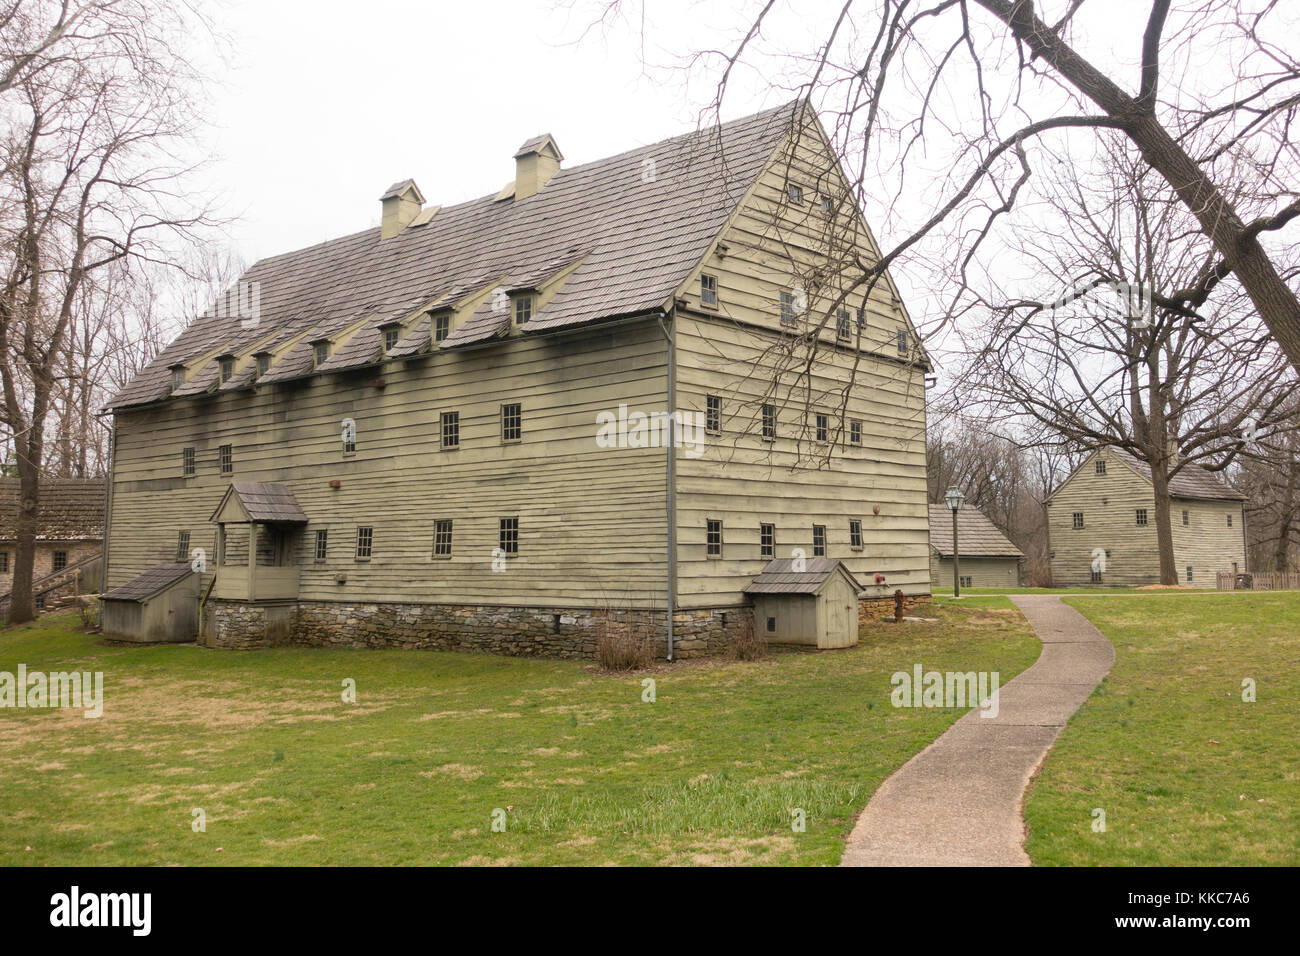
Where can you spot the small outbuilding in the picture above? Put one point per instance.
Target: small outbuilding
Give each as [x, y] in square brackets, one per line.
[806, 601]
[160, 606]
[987, 559]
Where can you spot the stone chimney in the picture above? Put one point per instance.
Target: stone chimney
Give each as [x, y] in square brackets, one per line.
[401, 203]
[535, 163]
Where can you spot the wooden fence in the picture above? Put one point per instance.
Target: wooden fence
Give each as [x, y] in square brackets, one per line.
[1259, 581]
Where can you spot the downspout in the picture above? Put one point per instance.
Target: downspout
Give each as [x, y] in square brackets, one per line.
[107, 522]
[672, 480]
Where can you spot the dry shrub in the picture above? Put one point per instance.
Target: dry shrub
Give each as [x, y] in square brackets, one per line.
[623, 642]
[745, 643]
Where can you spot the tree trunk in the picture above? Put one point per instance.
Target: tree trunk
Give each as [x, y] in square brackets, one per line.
[1282, 554]
[1164, 519]
[21, 603]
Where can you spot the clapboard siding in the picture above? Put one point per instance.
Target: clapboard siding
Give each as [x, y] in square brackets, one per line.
[592, 520]
[1109, 504]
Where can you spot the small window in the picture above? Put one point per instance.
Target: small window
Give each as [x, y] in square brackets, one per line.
[441, 326]
[823, 426]
[966, 581]
[178, 378]
[320, 352]
[1141, 517]
[322, 544]
[187, 461]
[1078, 519]
[766, 540]
[263, 365]
[226, 454]
[1096, 577]
[4, 562]
[902, 341]
[855, 534]
[843, 325]
[787, 308]
[712, 414]
[862, 321]
[713, 538]
[512, 422]
[40, 602]
[182, 545]
[855, 432]
[509, 535]
[365, 543]
[827, 205]
[523, 309]
[1189, 572]
[794, 193]
[1185, 517]
[59, 561]
[442, 538]
[391, 337]
[1229, 521]
[709, 291]
[769, 421]
[771, 624]
[1101, 466]
[227, 369]
[451, 429]
[819, 541]
[350, 445]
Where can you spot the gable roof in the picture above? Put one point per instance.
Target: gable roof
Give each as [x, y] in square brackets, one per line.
[635, 236]
[1192, 481]
[71, 509]
[979, 537]
[779, 576]
[150, 582]
[266, 501]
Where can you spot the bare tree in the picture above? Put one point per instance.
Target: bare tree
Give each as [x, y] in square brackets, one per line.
[89, 181]
[1173, 386]
[948, 100]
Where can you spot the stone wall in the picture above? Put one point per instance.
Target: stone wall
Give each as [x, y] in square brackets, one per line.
[514, 631]
[871, 610]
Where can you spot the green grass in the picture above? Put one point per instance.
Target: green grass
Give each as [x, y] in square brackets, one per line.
[1092, 591]
[1188, 774]
[585, 771]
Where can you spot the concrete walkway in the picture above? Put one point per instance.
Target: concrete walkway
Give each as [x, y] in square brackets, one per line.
[957, 802]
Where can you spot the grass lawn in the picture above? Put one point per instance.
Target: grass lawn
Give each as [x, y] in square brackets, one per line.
[1187, 773]
[586, 772]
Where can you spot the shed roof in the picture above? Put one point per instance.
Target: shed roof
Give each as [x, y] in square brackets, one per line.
[71, 509]
[780, 577]
[149, 583]
[266, 501]
[637, 238]
[980, 537]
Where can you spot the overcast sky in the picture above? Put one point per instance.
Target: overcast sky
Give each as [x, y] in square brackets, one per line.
[326, 104]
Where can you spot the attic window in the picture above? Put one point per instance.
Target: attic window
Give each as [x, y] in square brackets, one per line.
[391, 336]
[902, 341]
[827, 205]
[523, 309]
[263, 364]
[794, 193]
[178, 378]
[441, 326]
[1101, 466]
[709, 291]
[787, 308]
[227, 369]
[842, 326]
[320, 352]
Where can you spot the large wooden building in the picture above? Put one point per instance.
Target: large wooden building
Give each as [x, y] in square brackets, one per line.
[452, 430]
[1102, 527]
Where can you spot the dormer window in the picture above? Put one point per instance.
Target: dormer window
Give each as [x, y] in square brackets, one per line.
[320, 352]
[227, 369]
[178, 377]
[392, 334]
[441, 326]
[523, 309]
[263, 363]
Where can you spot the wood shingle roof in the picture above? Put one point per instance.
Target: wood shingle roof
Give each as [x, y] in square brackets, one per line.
[979, 537]
[636, 223]
[71, 509]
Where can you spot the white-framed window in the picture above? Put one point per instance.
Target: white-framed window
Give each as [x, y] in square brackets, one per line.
[523, 309]
[822, 424]
[450, 429]
[855, 534]
[713, 537]
[713, 414]
[902, 341]
[441, 326]
[819, 540]
[1101, 466]
[766, 540]
[263, 365]
[182, 545]
[512, 422]
[1141, 516]
[508, 535]
[794, 193]
[365, 543]
[320, 351]
[1077, 519]
[226, 455]
[321, 549]
[227, 369]
[855, 431]
[843, 325]
[787, 308]
[709, 291]
[392, 336]
[769, 421]
[187, 462]
[442, 538]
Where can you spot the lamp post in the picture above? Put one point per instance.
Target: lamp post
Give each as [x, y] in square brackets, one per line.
[955, 500]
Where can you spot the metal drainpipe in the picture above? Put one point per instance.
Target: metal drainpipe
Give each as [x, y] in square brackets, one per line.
[103, 548]
[672, 481]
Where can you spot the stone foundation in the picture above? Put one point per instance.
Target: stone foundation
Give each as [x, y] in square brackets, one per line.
[514, 631]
